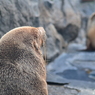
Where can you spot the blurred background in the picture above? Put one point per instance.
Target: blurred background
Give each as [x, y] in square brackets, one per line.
[65, 23]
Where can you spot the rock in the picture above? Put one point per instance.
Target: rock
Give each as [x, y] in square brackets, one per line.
[51, 10]
[75, 14]
[71, 22]
[51, 77]
[64, 24]
[70, 32]
[73, 47]
[58, 18]
[84, 60]
[72, 89]
[52, 51]
[45, 16]
[60, 64]
[73, 68]
[72, 17]
[55, 43]
[48, 4]
[14, 13]
[60, 90]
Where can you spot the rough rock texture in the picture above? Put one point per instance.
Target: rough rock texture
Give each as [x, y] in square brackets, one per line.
[15, 13]
[54, 43]
[61, 90]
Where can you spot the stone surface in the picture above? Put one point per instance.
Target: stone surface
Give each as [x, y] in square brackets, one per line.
[84, 60]
[15, 13]
[60, 90]
[72, 17]
[76, 68]
[54, 43]
[69, 33]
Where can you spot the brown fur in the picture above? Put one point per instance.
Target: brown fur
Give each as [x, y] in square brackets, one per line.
[22, 68]
[91, 33]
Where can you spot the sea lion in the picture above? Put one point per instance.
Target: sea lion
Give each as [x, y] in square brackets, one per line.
[22, 68]
[91, 33]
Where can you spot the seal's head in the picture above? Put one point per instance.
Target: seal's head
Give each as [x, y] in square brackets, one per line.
[25, 37]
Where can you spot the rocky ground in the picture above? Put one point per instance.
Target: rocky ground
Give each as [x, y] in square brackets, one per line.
[75, 68]
[61, 90]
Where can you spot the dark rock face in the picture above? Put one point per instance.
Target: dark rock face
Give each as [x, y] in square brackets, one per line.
[69, 33]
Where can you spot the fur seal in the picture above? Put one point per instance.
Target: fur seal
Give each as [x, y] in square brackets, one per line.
[91, 33]
[22, 67]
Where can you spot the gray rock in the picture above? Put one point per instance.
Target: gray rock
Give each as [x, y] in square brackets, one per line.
[71, 22]
[69, 33]
[72, 16]
[54, 43]
[83, 60]
[56, 78]
[60, 64]
[60, 90]
[75, 68]
[73, 47]
[14, 13]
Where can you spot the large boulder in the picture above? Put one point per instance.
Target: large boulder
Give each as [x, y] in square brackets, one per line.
[72, 22]
[55, 43]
